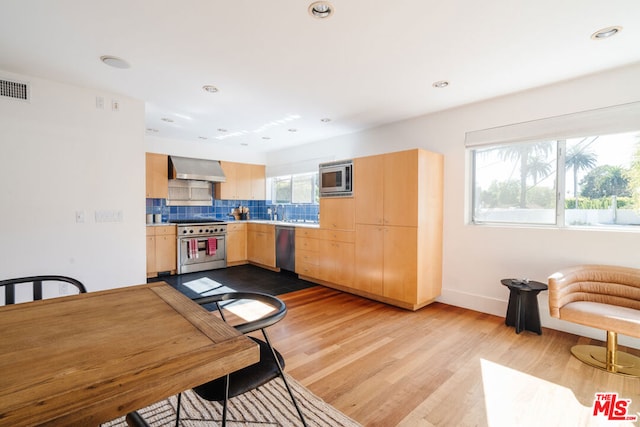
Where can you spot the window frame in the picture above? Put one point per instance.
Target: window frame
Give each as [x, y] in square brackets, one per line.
[560, 179]
[312, 176]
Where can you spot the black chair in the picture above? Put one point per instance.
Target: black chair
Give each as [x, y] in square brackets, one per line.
[271, 361]
[134, 419]
[36, 281]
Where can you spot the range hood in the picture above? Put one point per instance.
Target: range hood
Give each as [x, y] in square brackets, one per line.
[195, 169]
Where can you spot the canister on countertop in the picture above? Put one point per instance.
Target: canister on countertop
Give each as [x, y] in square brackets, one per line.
[149, 218]
[157, 218]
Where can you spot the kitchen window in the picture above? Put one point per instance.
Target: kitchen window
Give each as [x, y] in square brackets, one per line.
[297, 188]
[591, 181]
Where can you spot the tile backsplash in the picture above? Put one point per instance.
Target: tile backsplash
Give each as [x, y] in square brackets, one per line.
[221, 209]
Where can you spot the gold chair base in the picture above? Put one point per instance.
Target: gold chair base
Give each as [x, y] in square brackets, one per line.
[623, 363]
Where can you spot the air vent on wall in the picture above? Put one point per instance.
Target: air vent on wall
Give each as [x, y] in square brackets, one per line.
[15, 90]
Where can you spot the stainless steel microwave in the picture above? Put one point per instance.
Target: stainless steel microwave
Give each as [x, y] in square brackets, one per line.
[336, 179]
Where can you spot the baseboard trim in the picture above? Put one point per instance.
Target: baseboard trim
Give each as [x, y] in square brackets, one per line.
[498, 307]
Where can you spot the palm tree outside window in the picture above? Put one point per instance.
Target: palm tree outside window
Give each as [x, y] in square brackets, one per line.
[599, 185]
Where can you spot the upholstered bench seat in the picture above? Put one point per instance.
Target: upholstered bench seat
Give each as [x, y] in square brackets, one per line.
[604, 297]
[625, 321]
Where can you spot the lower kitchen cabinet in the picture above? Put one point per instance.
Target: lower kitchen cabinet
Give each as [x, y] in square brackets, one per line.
[336, 265]
[261, 244]
[236, 243]
[161, 250]
[392, 266]
[369, 259]
[326, 256]
[307, 251]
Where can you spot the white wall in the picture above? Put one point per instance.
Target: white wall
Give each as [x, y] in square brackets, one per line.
[208, 149]
[60, 155]
[477, 257]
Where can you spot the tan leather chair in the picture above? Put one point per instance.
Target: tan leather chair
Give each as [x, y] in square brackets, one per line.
[604, 297]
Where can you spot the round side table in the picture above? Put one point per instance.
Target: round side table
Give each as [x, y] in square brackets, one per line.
[523, 312]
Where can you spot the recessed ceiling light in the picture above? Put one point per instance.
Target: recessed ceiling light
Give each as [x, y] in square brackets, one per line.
[114, 61]
[210, 88]
[440, 84]
[321, 9]
[244, 144]
[202, 137]
[221, 130]
[325, 120]
[605, 33]
[292, 130]
[166, 119]
[266, 137]
[152, 130]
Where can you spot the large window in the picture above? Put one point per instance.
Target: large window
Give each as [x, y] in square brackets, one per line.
[298, 188]
[588, 181]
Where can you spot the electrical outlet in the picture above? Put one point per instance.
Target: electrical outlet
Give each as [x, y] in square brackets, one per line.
[99, 103]
[115, 105]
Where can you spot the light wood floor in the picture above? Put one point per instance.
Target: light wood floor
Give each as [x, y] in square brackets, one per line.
[440, 366]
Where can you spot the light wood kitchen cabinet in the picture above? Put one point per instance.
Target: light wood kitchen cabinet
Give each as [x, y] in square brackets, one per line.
[236, 243]
[151, 253]
[386, 188]
[325, 255]
[157, 175]
[227, 190]
[337, 213]
[336, 260]
[307, 251]
[369, 258]
[261, 244]
[161, 250]
[258, 182]
[368, 184]
[387, 263]
[243, 182]
[398, 214]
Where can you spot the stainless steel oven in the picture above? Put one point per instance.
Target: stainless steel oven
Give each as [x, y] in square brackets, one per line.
[201, 246]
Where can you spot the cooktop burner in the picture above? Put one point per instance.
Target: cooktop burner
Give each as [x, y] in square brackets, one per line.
[195, 221]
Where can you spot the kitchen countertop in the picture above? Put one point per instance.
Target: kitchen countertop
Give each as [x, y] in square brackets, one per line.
[285, 223]
[254, 221]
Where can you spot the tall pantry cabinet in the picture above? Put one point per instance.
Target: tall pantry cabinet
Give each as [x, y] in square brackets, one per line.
[398, 215]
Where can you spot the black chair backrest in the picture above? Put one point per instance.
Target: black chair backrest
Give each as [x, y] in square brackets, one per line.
[280, 309]
[10, 292]
[134, 419]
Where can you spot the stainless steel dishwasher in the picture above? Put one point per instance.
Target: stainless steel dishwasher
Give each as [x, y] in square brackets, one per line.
[286, 247]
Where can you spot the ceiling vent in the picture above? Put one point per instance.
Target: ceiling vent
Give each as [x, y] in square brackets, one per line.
[15, 90]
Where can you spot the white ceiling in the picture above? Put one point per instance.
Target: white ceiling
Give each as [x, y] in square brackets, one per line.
[277, 68]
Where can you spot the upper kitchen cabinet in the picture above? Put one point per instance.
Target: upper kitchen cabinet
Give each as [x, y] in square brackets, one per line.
[258, 182]
[243, 182]
[368, 184]
[389, 188]
[157, 182]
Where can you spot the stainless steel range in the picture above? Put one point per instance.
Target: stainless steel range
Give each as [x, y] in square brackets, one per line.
[201, 245]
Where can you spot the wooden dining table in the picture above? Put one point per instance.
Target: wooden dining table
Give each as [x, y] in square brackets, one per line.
[90, 358]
